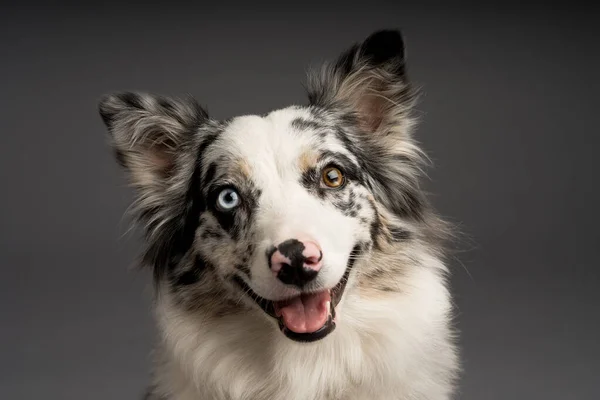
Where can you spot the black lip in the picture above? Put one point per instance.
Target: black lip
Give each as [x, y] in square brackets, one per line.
[266, 305]
[311, 336]
[337, 292]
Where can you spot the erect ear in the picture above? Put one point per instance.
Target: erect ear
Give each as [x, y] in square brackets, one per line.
[369, 83]
[157, 139]
[370, 79]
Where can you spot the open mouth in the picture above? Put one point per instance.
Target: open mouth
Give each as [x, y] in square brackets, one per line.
[305, 318]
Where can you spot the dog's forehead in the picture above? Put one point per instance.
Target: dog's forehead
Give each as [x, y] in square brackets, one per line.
[283, 142]
[255, 138]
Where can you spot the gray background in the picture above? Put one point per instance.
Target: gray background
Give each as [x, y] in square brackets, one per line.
[509, 118]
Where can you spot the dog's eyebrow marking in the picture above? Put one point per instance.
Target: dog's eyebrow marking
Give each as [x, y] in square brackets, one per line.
[307, 160]
[242, 168]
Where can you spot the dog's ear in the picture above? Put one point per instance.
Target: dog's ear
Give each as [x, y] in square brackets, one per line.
[157, 140]
[149, 133]
[369, 84]
[370, 79]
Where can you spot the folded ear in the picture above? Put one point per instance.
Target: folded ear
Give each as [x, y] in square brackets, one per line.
[157, 139]
[370, 79]
[149, 133]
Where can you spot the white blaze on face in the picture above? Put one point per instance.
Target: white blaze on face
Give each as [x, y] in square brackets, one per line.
[272, 149]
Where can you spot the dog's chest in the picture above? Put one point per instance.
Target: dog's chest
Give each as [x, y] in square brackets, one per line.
[329, 371]
[388, 353]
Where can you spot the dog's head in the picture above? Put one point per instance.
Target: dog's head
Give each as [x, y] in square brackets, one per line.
[276, 209]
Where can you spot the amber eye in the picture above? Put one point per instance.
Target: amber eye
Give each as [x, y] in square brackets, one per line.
[333, 177]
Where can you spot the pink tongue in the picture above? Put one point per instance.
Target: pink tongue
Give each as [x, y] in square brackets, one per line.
[306, 313]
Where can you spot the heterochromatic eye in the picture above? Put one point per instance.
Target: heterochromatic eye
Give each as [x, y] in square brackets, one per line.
[228, 199]
[333, 177]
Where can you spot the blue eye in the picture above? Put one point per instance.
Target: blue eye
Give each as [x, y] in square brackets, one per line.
[227, 200]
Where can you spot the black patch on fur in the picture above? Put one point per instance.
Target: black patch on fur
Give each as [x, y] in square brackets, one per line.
[120, 157]
[349, 144]
[168, 108]
[375, 229]
[209, 176]
[244, 269]
[400, 234]
[187, 278]
[409, 204]
[179, 235]
[132, 100]
[109, 113]
[383, 47]
[211, 233]
[305, 124]
[193, 275]
[376, 224]
[248, 207]
[349, 204]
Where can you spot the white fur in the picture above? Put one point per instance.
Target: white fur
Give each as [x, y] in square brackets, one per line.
[383, 349]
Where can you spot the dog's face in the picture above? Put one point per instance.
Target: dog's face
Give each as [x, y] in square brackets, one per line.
[276, 209]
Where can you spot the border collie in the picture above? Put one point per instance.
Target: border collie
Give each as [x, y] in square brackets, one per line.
[295, 256]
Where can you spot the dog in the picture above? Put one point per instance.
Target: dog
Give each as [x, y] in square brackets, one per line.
[294, 255]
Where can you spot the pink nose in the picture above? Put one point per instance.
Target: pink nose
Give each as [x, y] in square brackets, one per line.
[296, 262]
